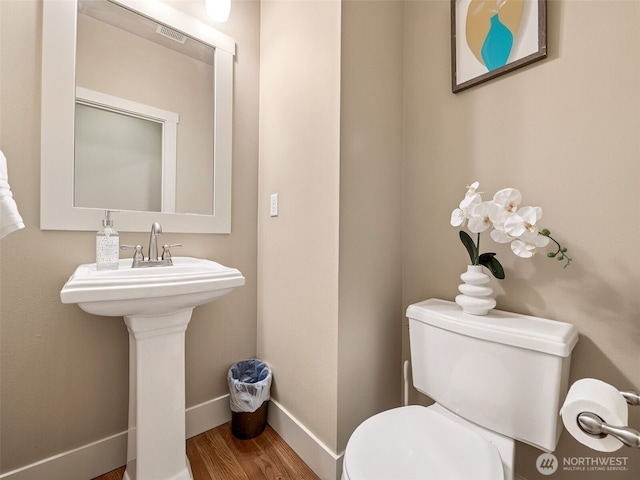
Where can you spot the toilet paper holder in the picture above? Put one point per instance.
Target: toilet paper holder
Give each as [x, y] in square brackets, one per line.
[592, 424]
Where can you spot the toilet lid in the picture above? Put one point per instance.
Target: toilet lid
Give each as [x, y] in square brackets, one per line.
[419, 443]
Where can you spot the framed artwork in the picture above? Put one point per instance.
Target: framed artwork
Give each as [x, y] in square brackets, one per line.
[492, 37]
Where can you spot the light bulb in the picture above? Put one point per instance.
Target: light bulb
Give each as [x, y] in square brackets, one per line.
[218, 10]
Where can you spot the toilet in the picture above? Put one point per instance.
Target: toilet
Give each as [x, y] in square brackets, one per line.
[495, 379]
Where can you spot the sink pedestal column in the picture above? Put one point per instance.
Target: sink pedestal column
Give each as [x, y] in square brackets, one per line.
[156, 447]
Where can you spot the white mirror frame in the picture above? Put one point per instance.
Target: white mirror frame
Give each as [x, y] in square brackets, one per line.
[57, 124]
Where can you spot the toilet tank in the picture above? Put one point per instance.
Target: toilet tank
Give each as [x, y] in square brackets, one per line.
[504, 371]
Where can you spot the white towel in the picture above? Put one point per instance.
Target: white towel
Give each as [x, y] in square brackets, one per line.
[10, 219]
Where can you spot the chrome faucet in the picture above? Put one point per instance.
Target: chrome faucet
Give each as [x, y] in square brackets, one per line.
[152, 260]
[156, 230]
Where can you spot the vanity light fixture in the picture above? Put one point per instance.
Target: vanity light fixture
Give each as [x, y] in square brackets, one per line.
[218, 10]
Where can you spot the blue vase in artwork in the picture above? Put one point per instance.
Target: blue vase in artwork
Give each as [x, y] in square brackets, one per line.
[497, 44]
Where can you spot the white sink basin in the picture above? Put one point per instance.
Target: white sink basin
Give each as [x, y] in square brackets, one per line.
[127, 291]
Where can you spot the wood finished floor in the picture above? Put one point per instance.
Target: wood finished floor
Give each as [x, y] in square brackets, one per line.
[218, 455]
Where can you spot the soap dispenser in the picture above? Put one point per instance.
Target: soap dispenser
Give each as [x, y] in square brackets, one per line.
[107, 244]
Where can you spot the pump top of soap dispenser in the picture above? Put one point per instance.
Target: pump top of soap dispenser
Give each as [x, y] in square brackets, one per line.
[107, 221]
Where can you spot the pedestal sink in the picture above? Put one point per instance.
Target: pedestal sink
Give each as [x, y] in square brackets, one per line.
[156, 304]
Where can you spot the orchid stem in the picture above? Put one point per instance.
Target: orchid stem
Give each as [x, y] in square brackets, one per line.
[560, 253]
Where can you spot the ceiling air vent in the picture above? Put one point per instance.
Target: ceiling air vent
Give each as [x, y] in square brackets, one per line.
[172, 34]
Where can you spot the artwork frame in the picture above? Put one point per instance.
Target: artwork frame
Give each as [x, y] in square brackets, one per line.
[480, 32]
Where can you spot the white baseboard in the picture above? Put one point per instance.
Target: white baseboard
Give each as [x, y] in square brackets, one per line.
[82, 463]
[97, 458]
[207, 415]
[326, 464]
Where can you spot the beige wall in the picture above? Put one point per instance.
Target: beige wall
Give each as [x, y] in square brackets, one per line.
[370, 295]
[566, 132]
[64, 374]
[298, 251]
[330, 263]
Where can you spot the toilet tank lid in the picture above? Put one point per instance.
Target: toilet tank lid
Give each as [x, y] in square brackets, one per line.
[524, 331]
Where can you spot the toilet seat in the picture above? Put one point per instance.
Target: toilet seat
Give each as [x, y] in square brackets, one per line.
[419, 443]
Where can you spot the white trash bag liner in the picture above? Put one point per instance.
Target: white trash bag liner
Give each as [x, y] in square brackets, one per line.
[249, 385]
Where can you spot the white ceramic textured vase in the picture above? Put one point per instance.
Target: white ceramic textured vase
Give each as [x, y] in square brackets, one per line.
[476, 296]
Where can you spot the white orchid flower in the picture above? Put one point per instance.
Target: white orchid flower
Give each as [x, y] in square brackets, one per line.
[472, 189]
[460, 215]
[528, 244]
[523, 221]
[479, 219]
[507, 201]
[508, 223]
[471, 197]
[498, 235]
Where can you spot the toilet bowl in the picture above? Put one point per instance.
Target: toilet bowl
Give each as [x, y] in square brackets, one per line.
[424, 443]
[495, 379]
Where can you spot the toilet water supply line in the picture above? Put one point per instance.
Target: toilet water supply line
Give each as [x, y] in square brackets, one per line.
[405, 371]
[592, 424]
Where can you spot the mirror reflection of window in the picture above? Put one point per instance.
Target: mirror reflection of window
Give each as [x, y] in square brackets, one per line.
[138, 61]
[118, 160]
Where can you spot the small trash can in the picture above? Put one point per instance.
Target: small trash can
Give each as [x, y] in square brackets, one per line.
[249, 389]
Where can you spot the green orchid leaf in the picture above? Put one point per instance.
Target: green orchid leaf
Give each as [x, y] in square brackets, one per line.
[490, 261]
[469, 245]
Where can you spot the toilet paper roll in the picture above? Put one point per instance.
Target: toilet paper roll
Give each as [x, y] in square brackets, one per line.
[595, 396]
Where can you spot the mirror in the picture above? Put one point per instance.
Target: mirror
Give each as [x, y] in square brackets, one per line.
[150, 128]
[182, 178]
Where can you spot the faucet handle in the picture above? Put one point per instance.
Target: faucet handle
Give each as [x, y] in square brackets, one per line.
[166, 253]
[137, 255]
